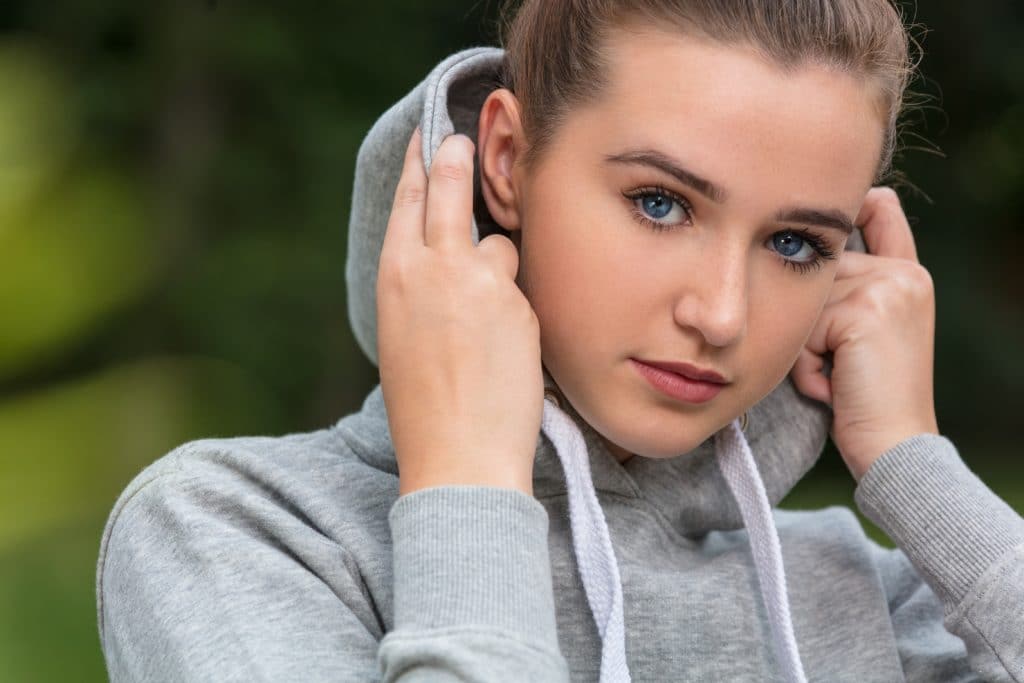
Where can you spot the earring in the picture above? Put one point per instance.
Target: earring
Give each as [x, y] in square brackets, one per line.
[743, 421]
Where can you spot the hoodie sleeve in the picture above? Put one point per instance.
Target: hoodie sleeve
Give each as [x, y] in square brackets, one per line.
[473, 590]
[959, 568]
[204, 577]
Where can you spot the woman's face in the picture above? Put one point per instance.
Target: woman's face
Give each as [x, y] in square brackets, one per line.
[678, 219]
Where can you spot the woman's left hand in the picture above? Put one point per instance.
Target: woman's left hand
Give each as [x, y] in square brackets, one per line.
[879, 323]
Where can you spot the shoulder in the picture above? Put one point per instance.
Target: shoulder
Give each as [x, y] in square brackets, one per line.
[299, 465]
[302, 487]
[243, 525]
[329, 477]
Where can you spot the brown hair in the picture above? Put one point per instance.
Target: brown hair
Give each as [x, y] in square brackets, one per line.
[553, 48]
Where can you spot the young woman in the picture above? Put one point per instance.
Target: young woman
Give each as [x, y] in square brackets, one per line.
[616, 316]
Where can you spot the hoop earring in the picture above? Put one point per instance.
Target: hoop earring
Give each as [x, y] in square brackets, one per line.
[743, 421]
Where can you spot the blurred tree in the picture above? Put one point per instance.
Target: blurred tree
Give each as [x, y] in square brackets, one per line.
[174, 191]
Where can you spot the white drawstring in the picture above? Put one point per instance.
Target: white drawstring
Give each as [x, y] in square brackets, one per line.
[740, 471]
[595, 556]
[590, 539]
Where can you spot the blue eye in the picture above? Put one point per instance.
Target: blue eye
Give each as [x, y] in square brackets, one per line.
[656, 205]
[789, 244]
[658, 208]
[662, 210]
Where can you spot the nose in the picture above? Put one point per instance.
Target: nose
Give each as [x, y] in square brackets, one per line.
[714, 298]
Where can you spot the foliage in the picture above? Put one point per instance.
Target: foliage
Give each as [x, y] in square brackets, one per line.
[174, 189]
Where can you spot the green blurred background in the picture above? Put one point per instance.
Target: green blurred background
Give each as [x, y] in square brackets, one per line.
[174, 192]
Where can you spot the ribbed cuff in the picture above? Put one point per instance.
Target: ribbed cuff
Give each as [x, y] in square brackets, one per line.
[473, 555]
[948, 522]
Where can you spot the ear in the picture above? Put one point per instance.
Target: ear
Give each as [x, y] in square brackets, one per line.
[500, 140]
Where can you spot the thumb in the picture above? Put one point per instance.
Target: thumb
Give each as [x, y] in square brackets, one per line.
[500, 252]
[808, 377]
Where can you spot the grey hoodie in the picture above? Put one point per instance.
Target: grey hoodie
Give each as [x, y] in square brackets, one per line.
[292, 558]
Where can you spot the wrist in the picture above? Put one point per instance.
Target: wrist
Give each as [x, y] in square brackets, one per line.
[870, 447]
[507, 480]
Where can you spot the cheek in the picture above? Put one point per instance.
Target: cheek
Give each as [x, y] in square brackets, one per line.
[781, 321]
[573, 267]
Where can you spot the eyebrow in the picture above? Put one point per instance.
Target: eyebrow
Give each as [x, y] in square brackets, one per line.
[828, 218]
[667, 165]
[825, 218]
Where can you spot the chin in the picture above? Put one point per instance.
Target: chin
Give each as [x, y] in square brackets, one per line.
[643, 445]
[664, 454]
[651, 433]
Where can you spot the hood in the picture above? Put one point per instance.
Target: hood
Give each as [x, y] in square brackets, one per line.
[786, 430]
[728, 482]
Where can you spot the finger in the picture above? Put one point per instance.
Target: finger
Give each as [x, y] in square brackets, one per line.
[501, 252]
[854, 263]
[866, 267]
[808, 378]
[841, 289]
[450, 200]
[405, 225]
[823, 338]
[885, 227]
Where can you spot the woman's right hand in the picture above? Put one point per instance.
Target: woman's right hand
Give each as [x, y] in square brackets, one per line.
[458, 343]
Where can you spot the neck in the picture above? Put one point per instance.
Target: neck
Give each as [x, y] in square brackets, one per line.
[620, 453]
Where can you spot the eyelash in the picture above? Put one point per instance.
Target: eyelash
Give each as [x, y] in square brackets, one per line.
[821, 248]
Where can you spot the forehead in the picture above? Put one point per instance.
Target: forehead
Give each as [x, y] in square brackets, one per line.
[737, 117]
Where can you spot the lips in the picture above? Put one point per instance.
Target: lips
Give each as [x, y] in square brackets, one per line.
[677, 385]
[687, 370]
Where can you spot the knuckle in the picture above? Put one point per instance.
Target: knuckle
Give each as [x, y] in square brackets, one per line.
[393, 273]
[919, 281]
[872, 299]
[889, 294]
[454, 159]
[407, 195]
[450, 170]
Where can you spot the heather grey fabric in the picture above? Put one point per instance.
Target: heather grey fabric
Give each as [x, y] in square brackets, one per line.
[291, 558]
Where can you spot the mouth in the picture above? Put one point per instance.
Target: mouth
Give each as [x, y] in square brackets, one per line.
[681, 381]
[687, 370]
